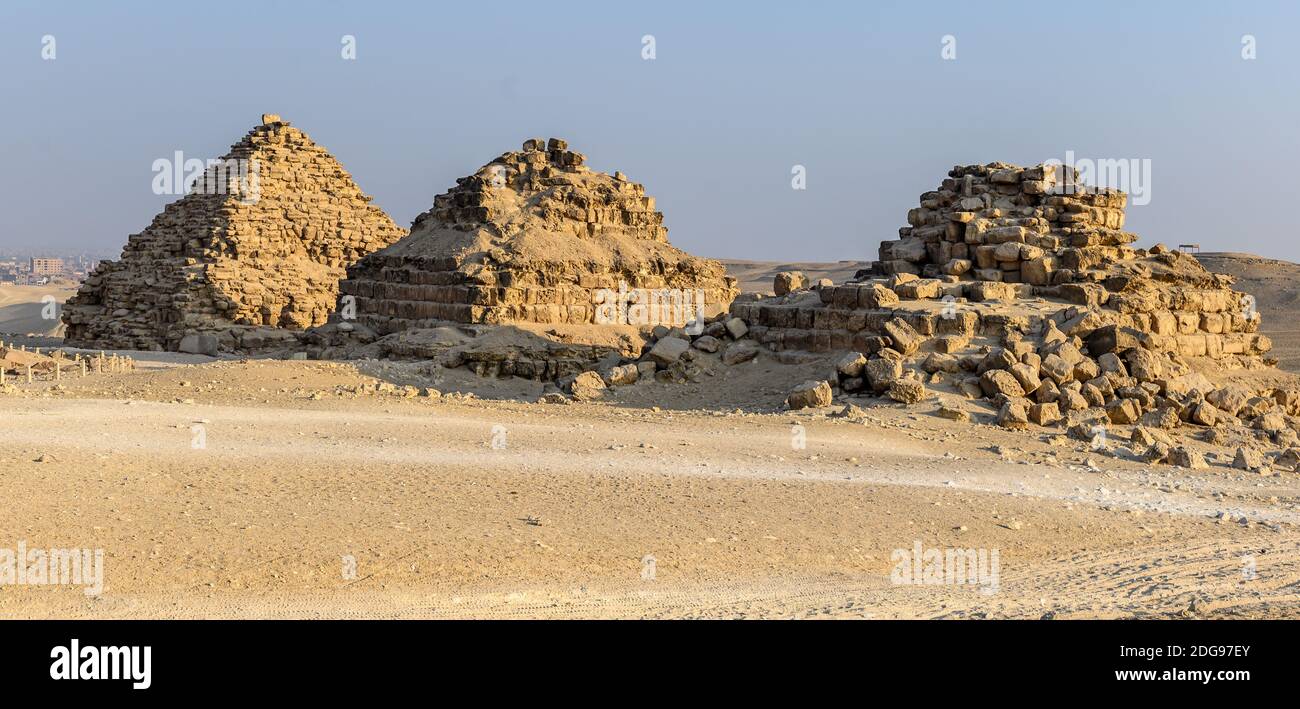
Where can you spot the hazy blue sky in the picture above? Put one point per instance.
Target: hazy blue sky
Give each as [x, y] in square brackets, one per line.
[738, 93]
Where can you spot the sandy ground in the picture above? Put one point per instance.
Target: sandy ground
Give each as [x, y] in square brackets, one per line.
[314, 495]
[21, 309]
[756, 276]
[556, 519]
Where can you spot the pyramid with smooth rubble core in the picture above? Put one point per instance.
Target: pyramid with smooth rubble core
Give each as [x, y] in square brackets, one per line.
[236, 263]
[531, 238]
[999, 247]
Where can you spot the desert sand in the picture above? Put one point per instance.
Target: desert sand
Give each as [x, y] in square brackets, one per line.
[21, 309]
[756, 276]
[315, 495]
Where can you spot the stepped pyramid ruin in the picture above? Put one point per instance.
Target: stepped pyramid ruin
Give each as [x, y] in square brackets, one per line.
[259, 242]
[1019, 286]
[999, 247]
[533, 237]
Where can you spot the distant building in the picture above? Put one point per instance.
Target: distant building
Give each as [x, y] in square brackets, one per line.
[49, 267]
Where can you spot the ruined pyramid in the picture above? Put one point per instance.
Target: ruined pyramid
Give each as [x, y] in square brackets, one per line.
[533, 237]
[260, 241]
[999, 248]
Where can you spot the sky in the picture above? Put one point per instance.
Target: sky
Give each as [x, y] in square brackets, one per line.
[875, 100]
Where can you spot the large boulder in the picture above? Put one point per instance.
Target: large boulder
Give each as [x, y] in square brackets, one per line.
[1230, 399]
[1123, 411]
[1014, 414]
[1144, 365]
[1186, 457]
[706, 343]
[668, 350]
[789, 281]
[621, 375]
[851, 364]
[880, 373]
[587, 386]
[907, 391]
[1044, 414]
[1115, 338]
[1057, 369]
[904, 337]
[1247, 459]
[877, 296]
[199, 343]
[1000, 381]
[1205, 414]
[739, 352]
[810, 394]
[1027, 376]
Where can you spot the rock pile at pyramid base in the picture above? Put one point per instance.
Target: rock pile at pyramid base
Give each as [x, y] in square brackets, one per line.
[1003, 290]
[233, 267]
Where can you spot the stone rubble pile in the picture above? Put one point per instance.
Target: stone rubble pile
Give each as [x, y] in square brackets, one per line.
[532, 237]
[1111, 384]
[233, 268]
[996, 234]
[673, 355]
[1003, 290]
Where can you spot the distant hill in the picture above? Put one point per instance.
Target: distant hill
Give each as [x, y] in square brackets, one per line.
[756, 276]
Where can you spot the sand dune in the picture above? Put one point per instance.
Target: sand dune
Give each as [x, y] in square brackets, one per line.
[22, 309]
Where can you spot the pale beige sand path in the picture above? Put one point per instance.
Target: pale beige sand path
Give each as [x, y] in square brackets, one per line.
[441, 524]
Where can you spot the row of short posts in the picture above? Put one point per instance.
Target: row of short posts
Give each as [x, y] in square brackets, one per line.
[102, 363]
